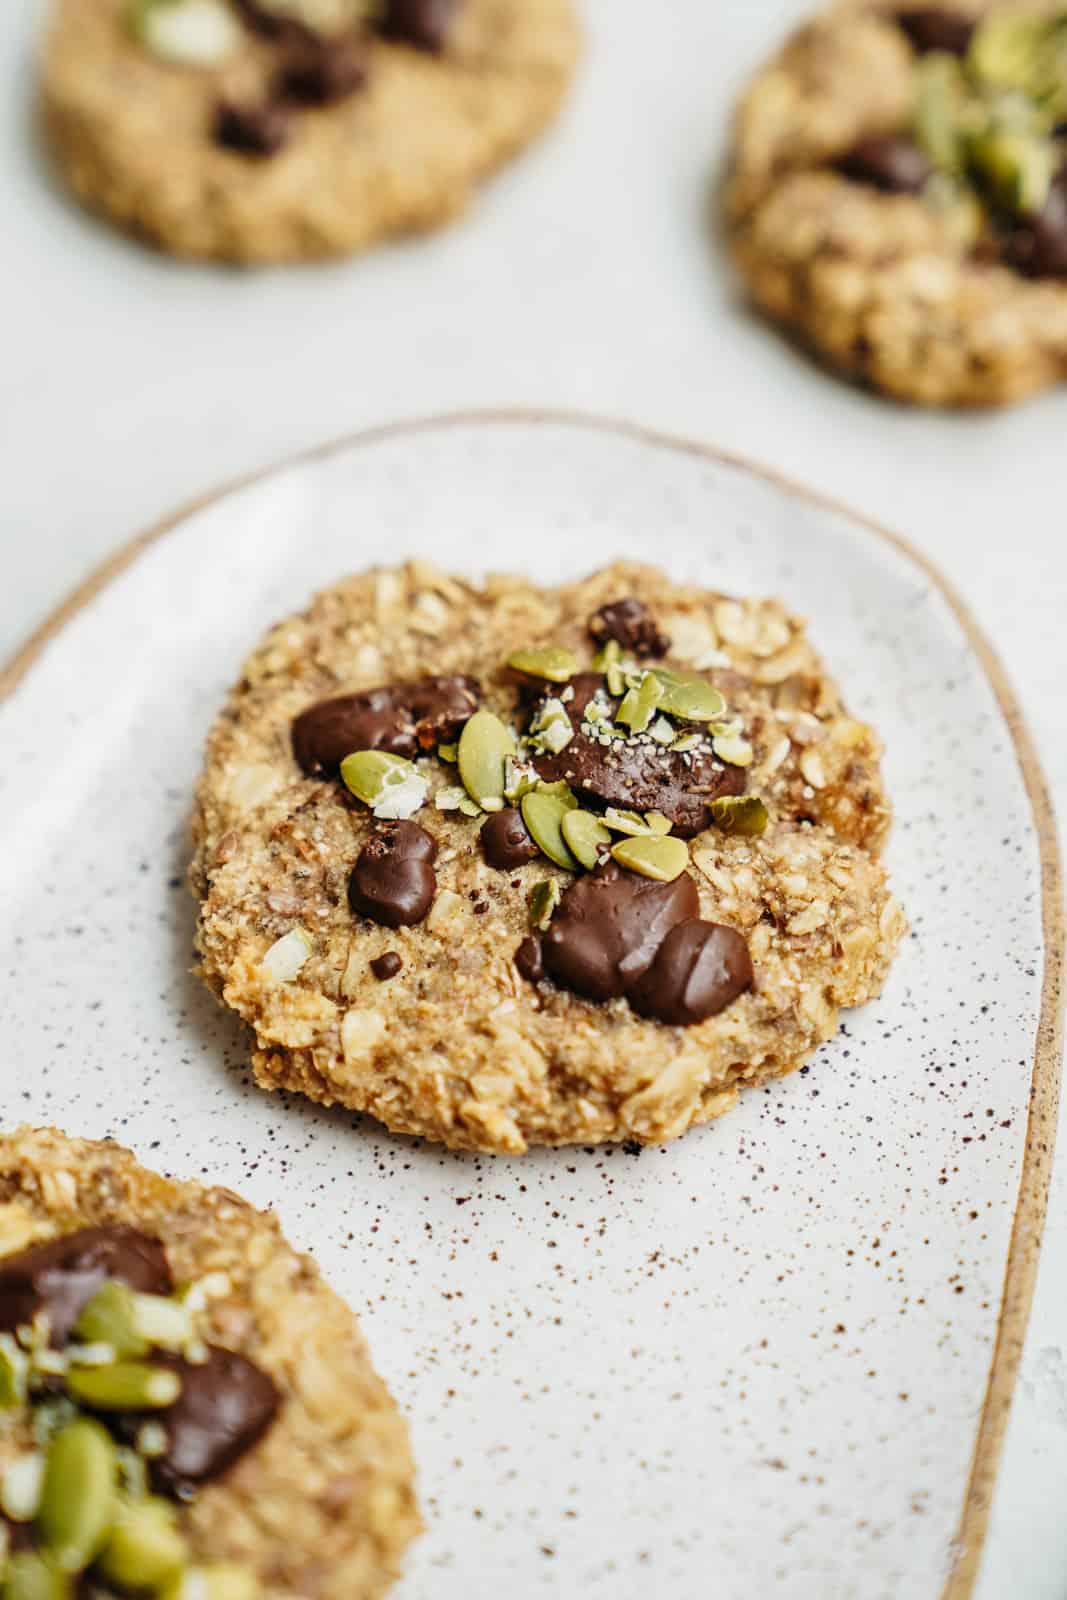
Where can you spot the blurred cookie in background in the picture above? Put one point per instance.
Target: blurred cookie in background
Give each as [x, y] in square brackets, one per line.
[284, 130]
[897, 196]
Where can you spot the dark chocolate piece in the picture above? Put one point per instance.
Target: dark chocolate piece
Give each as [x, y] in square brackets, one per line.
[506, 843]
[251, 130]
[425, 24]
[640, 775]
[226, 1404]
[393, 881]
[62, 1275]
[609, 926]
[932, 28]
[632, 625]
[1037, 245]
[529, 960]
[387, 965]
[319, 72]
[700, 968]
[399, 718]
[894, 165]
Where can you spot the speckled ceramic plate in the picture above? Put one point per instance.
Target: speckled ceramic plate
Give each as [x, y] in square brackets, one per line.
[773, 1358]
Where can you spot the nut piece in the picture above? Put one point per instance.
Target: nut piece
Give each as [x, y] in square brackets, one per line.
[78, 1495]
[657, 856]
[391, 785]
[639, 705]
[549, 661]
[689, 697]
[543, 811]
[484, 747]
[743, 814]
[542, 900]
[188, 33]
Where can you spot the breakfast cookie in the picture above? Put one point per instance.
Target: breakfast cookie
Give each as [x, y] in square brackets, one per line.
[279, 130]
[505, 865]
[898, 195]
[186, 1410]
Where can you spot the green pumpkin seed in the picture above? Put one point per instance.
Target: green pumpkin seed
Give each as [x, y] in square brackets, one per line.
[609, 661]
[1016, 168]
[31, 1576]
[144, 1549]
[639, 705]
[542, 900]
[940, 102]
[689, 697]
[662, 857]
[549, 661]
[132, 1323]
[14, 1371]
[124, 1386]
[78, 1495]
[449, 753]
[732, 749]
[484, 746]
[657, 822]
[631, 822]
[543, 813]
[223, 1581]
[392, 787]
[585, 835]
[1006, 51]
[743, 814]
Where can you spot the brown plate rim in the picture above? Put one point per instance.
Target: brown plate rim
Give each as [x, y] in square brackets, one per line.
[1032, 1200]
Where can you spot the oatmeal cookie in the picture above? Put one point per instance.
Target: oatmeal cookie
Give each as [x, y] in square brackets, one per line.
[897, 195]
[281, 130]
[163, 1350]
[506, 865]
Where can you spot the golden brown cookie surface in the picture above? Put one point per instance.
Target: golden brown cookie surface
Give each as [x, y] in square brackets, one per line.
[456, 1043]
[323, 1503]
[135, 135]
[877, 278]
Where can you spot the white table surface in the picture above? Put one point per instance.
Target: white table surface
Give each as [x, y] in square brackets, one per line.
[588, 278]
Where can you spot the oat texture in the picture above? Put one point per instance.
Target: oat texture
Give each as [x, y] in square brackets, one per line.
[877, 284]
[458, 1047]
[133, 134]
[323, 1506]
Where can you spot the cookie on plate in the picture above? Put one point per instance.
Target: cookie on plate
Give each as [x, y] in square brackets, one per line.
[506, 865]
[279, 130]
[898, 195]
[186, 1410]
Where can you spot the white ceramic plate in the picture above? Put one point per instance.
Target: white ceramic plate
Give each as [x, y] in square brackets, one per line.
[773, 1358]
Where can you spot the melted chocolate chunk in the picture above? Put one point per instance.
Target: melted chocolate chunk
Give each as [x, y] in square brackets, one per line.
[251, 130]
[700, 968]
[631, 623]
[932, 28]
[894, 165]
[609, 926]
[506, 844]
[387, 965]
[424, 23]
[400, 718]
[319, 72]
[61, 1276]
[393, 881]
[226, 1404]
[1037, 245]
[529, 960]
[640, 776]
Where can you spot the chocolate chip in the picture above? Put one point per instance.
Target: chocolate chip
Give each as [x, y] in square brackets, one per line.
[529, 960]
[387, 965]
[399, 718]
[700, 968]
[319, 72]
[506, 843]
[273, 24]
[639, 774]
[609, 926]
[425, 24]
[931, 28]
[393, 881]
[251, 130]
[226, 1404]
[894, 165]
[631, 623]
[61, 1276]
[1037, 245]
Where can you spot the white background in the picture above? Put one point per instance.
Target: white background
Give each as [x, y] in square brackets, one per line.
[588, 277]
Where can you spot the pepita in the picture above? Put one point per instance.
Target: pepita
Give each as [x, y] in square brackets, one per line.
[631, 822]
[392, 787]
[449, 753]
[484, 747]
[543, 812]
[686, 696]
[78, 1495]
[732, 749]
[743, 814]
[31, 1576]
[14, 1369]
[609, 661]
[585, 836]
[144, 1549]
[542, 900]
[124, 1386]
[551, 662]
[639, 705]
[662, 857]
[132, 1323]
[223, 1581]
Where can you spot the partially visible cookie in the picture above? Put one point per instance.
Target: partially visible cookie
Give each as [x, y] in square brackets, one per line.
[202, 1407]
[601, 854]
[897, 195]
[283, 130]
